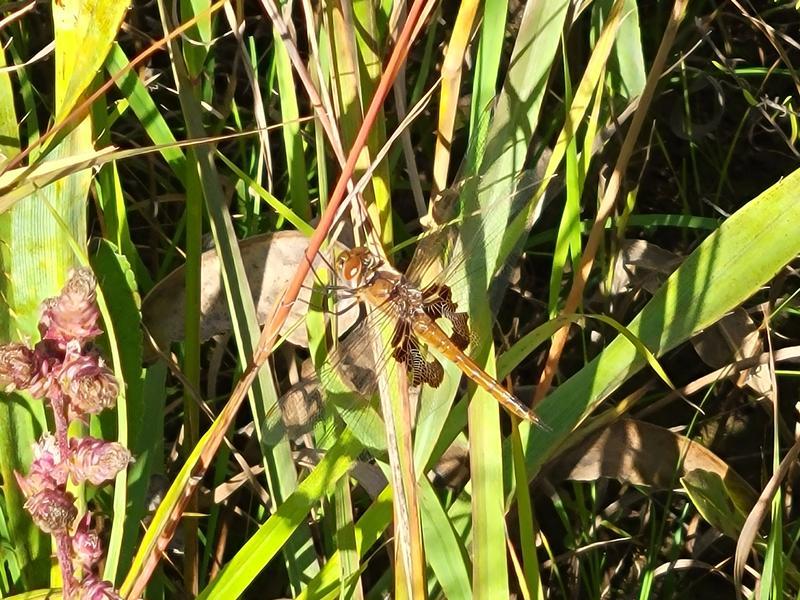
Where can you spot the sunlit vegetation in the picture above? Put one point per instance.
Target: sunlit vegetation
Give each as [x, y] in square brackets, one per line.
[608, 188]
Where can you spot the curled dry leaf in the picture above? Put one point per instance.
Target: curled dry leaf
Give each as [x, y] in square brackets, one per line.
[270, 261]
[733, 338]
[452, 468]
[642, 265]
[643, 454]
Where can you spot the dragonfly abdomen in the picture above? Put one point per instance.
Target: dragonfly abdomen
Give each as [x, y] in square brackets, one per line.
[434, 336]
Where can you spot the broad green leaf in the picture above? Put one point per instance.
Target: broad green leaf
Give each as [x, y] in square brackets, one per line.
[724, 271]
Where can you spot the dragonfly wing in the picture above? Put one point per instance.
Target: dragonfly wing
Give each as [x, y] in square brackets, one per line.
[343, 383]
[438, 304]
[446, 251]
[299, 408]
[407, 350]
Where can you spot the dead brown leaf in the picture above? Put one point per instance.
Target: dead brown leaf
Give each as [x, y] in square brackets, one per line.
[270, 261]
[643, 454]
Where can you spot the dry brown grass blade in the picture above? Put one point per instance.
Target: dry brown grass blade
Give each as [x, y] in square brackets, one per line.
[762, 508]
[756, 516]
[608, 201]
[784, 354]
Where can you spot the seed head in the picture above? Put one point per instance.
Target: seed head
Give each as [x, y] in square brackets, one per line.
[53, 510]
[17, 367]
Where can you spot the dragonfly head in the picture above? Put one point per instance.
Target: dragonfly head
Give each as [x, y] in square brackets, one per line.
[357, 266]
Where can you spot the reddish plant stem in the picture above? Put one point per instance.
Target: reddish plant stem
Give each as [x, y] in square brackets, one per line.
[59, 405]
[64, 555]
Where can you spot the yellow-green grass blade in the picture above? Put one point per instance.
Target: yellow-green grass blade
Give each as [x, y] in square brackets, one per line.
[9, 130]
[346, 541]
[279, 207]
[15, 444]
[350, 97]
[368, 530]
[396, 410]
[84, 33]
[273, 535]
[568, 241]
[370, 24]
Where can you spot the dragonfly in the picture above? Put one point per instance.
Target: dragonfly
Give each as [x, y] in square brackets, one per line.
[414, 311]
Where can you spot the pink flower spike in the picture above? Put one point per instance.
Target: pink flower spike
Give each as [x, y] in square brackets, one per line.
[96, 461]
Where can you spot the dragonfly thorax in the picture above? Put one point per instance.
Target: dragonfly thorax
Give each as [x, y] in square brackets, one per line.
[378, 283]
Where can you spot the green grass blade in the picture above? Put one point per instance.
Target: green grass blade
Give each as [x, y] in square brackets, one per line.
[504, 157]
[484, 83]
[292, 137]
[146, 110]
[626, 68]
[444, 550]
[119, 300]
[278, 462]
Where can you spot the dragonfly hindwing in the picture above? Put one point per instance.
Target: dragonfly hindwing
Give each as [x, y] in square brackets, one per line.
[438, 303]
[407, 350]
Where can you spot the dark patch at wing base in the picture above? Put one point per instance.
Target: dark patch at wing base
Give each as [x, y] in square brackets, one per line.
[438, 303]
[407, 350]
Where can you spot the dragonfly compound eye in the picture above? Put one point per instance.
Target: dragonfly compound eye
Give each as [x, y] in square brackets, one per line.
[349, 267]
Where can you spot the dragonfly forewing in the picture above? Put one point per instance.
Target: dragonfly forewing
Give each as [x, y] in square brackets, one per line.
[342, 387]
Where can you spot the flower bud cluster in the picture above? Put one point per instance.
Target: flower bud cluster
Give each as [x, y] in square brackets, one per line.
[63, 370]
